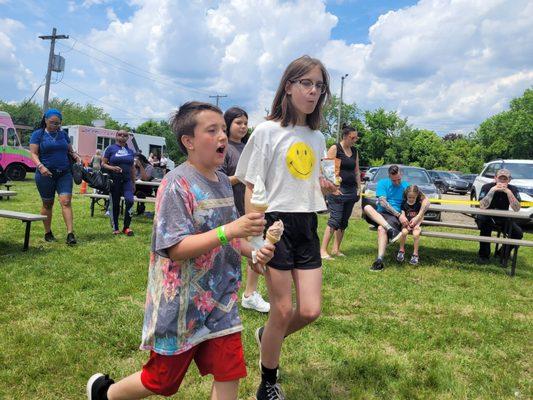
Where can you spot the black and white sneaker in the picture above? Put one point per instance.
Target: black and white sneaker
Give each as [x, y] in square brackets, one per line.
[377, 266]
[258, 337]
[71, 239]
[97, 386]
[393, 235]
[269, 391]
[49, 237]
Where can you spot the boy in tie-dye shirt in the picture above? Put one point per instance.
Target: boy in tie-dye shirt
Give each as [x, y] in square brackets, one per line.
[194, 273]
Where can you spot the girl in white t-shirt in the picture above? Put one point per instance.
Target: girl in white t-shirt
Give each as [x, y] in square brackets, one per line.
[285, 152]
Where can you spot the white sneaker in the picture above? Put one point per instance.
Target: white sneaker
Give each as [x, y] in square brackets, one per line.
[255, 302]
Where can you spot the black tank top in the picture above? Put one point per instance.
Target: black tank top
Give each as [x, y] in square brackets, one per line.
[347, 171]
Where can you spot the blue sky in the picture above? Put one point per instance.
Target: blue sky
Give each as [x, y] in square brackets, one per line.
[445, 65]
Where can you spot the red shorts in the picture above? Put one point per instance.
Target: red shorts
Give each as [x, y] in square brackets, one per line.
[221, 357]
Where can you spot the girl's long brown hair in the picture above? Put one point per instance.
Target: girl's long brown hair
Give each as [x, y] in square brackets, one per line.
[413, 189]
[282, 109]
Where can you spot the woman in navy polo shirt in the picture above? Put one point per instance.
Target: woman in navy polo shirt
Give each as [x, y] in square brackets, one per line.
[118, 160]
[50, 148]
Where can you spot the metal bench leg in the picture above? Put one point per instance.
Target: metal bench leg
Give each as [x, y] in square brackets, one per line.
[27, 235]
[515, 257]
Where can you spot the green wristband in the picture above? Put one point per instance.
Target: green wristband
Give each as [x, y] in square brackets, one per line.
[221, 234]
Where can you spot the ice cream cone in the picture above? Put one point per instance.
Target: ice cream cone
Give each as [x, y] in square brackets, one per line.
[259, 208]
[272, 239]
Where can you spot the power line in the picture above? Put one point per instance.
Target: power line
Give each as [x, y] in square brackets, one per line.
[157, 80]
[218, 96]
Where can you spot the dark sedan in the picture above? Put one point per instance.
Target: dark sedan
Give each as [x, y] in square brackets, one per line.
[470, 178]
[412, 175]
[449, 182]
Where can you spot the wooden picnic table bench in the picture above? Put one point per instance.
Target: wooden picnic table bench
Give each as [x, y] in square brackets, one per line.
[25, 218]
[7, 193]
[8, 185]
[97, 196]
[501, 239]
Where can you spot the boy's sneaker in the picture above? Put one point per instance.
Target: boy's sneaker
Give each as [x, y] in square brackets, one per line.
[414, 260]
[71, 239]
[377, 266]
[255, 302]
[97, 386]
[400, 257]
[49, 237]
[393, 235]
[269, 391]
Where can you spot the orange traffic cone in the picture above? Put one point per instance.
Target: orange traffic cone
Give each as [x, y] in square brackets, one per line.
[83, 187]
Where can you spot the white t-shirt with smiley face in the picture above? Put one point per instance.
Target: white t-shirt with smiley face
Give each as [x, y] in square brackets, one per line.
[288, 161]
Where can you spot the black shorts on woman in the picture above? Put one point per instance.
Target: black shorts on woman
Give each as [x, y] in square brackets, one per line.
[299, 247]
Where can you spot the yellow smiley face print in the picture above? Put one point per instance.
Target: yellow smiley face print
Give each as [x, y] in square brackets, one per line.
[300, 160]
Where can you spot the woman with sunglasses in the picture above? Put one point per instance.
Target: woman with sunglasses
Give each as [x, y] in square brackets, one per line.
[118, 160]
[50, 148]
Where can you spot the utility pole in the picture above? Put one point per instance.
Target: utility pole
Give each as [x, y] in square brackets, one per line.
[218, 96]
[50, 64]
[340, 109]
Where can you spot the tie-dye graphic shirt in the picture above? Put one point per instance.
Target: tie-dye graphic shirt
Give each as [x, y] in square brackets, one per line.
[190, 301]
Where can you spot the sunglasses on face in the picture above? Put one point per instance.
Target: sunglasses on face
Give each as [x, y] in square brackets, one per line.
[54, 123]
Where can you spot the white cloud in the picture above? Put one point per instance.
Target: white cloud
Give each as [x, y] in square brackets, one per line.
[16, 80]
[446, 65]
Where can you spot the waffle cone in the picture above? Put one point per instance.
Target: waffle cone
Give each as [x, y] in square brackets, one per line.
[271, 238]
[259, 208]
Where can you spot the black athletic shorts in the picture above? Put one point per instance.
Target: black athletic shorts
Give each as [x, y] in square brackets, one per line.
[299, 246]
[391, 219]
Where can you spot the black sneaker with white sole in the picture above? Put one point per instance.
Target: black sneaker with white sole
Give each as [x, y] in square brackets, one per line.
[393, 235]
[97, 386]
[269, 391]
[377, 266]
[258, 337]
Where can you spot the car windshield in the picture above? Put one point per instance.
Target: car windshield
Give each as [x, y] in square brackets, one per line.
[448, 175]
[415, 176]
[520, 171]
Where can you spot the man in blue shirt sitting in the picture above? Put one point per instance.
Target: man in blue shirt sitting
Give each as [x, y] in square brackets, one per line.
[388, 217]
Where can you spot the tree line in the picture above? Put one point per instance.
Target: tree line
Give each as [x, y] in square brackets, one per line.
[385, 137]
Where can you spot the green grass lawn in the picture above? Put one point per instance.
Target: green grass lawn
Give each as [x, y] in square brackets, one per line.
[448, 329]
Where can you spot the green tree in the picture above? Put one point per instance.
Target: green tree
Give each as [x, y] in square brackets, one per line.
[350, 115]
[382, 129]
[509, 134]
[162, 129]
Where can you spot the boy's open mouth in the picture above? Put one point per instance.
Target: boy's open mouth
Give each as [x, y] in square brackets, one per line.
[220, 149]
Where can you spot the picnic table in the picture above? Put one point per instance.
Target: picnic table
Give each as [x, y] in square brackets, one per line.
[507, 215]
[7, 193]
[25, 218]
[154, 183]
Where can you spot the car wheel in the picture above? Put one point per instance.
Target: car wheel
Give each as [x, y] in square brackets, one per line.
[15, 172]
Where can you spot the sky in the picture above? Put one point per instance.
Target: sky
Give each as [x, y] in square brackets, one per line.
[445, 65]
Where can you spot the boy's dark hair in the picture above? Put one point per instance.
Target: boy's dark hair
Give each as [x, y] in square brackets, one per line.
[282, 109]
[230, 115]
[183, 121]
[346, 129]
[394, 169]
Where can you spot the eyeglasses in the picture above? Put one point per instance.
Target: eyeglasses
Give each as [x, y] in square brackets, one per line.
[54, 123]
[308, 84]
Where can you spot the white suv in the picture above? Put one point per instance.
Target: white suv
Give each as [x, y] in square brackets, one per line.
[521, 177]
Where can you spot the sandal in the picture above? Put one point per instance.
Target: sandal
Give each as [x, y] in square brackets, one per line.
[127, 232]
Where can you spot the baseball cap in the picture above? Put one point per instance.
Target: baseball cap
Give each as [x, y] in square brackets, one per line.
[503, 172]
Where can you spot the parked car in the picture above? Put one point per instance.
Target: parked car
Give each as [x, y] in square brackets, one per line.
[448, 182]
[470, 178]
[413, 175]
[370, 172]
[521, 177]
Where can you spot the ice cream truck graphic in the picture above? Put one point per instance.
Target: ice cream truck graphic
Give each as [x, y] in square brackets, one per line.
[14, 159]
[87, 139]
